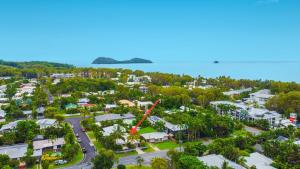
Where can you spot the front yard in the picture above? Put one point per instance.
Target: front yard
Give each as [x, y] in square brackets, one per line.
[147, 130]
[166, 145]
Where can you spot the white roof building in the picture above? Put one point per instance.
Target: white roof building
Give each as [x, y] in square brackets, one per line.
[144, 103]
[9, 126]
[109, 117]
[110, 106]
[155, 135]
[237, 92]
[44, 123]
[14, 151]
[49, 143]
[107, 131]
[217, 161]
[261, 96]
[259, 160]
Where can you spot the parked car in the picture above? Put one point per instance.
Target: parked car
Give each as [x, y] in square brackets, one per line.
[77, 135]
[83, 150]
[60, 162]
[82, 129]
[79, 140]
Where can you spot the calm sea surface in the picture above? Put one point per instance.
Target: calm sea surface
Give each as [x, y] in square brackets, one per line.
[281, 71]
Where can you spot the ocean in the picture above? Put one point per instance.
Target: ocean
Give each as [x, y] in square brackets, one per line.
[255, 70]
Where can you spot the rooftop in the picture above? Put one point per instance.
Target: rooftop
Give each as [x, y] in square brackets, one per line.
[108, 117]
[154, 135]
[40, 144]
[218, 160]
[259, 160]
[14, 151]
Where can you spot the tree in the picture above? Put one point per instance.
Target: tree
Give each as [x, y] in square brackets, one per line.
[45, 164]
[194, 149]
[226, 166]
[69, 151]
[104, 160]
[4, 159]
[159, 163]
[60, 118]
[190, 162]
[174, 156]
[121, 166]
[26, 130]
[139, 160]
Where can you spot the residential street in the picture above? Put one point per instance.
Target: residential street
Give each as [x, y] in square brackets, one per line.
[85, 142]
[131, 160]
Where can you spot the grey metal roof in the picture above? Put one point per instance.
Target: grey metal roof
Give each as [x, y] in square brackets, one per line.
[259, 160]
[14, 151]
[108, 117]
[218, 160]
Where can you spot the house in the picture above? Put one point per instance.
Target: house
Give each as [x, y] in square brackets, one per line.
[17, 151]
[259, 161]
[108, 92]
[281, 138]
[111, 117]
[127, 103]
[9, 126]
[44, 123]
[2, 115]
[87, 105]
[143, 89]
[286, 123]
[297, 142]
[110, 106]
[41, 145]
[205, 86]
[214, 160]
[27, 112]
[83, 101]
[70, 106]
[135, 80]
[261, 97]
[237, 92]
[155, 137]
[40, 111]
[271, 116]
[107, 131]
[4, 100]
[170, 128]
[62, 75]
[241, 111]
[144, 104]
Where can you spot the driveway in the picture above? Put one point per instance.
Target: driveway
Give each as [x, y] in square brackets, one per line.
[85, 142]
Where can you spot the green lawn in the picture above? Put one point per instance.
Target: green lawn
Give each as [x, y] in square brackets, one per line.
[79, 156]
[92, 138]
[137, 167]
[147, 130]
[149, 149]
[127, 154]
[166, 145]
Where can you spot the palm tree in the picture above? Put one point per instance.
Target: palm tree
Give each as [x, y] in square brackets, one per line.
[139, 160]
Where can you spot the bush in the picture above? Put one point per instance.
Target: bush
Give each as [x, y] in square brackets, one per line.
[121, 166]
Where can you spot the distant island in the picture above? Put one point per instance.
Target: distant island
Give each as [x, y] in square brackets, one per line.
[107, 60]
[31, 64]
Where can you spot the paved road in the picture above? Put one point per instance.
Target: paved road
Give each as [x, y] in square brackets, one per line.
[50, 97]
[85, 142]
[131, 160]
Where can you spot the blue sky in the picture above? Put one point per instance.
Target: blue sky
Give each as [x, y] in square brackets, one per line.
[162, 30]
